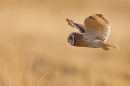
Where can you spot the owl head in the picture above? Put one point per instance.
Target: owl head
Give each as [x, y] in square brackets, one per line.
[75, 39]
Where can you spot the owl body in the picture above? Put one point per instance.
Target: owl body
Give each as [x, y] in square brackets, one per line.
[79, 40]
[93, 33]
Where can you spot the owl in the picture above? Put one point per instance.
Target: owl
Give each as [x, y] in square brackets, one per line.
[94, 33]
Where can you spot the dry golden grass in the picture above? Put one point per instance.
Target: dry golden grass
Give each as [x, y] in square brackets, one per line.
[34, 49]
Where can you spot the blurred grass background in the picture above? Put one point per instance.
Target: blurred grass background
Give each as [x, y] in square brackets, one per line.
[34, 49]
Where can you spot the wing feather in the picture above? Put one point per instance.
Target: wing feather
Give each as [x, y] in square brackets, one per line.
[97, 26]
[80, 27]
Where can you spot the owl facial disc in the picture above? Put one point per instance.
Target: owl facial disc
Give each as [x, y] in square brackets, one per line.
[71, 39]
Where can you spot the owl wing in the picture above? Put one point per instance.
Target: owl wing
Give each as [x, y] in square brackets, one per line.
[97, 27]
[80, 27]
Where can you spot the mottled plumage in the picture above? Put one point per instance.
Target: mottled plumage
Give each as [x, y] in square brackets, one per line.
[93, 33]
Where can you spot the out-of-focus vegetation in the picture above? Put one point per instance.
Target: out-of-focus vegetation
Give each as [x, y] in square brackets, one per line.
[34, 49]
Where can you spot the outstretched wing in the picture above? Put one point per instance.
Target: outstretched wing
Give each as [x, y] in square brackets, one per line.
[97, 27]
[80, 27]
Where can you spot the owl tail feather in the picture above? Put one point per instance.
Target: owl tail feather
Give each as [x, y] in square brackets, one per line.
[106, 45]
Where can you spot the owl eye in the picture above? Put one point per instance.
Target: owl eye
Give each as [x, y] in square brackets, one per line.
[71, 38]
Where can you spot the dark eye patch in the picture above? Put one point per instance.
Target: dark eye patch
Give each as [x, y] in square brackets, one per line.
[71, 37]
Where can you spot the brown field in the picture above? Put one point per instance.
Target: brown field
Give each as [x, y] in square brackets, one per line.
[34, 49]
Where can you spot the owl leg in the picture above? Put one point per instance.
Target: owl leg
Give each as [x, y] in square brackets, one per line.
[106, 45]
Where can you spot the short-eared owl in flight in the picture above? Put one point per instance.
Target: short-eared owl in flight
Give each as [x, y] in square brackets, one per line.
[93, 33]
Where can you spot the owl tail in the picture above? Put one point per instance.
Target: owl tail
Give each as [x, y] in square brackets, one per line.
[106, 45]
